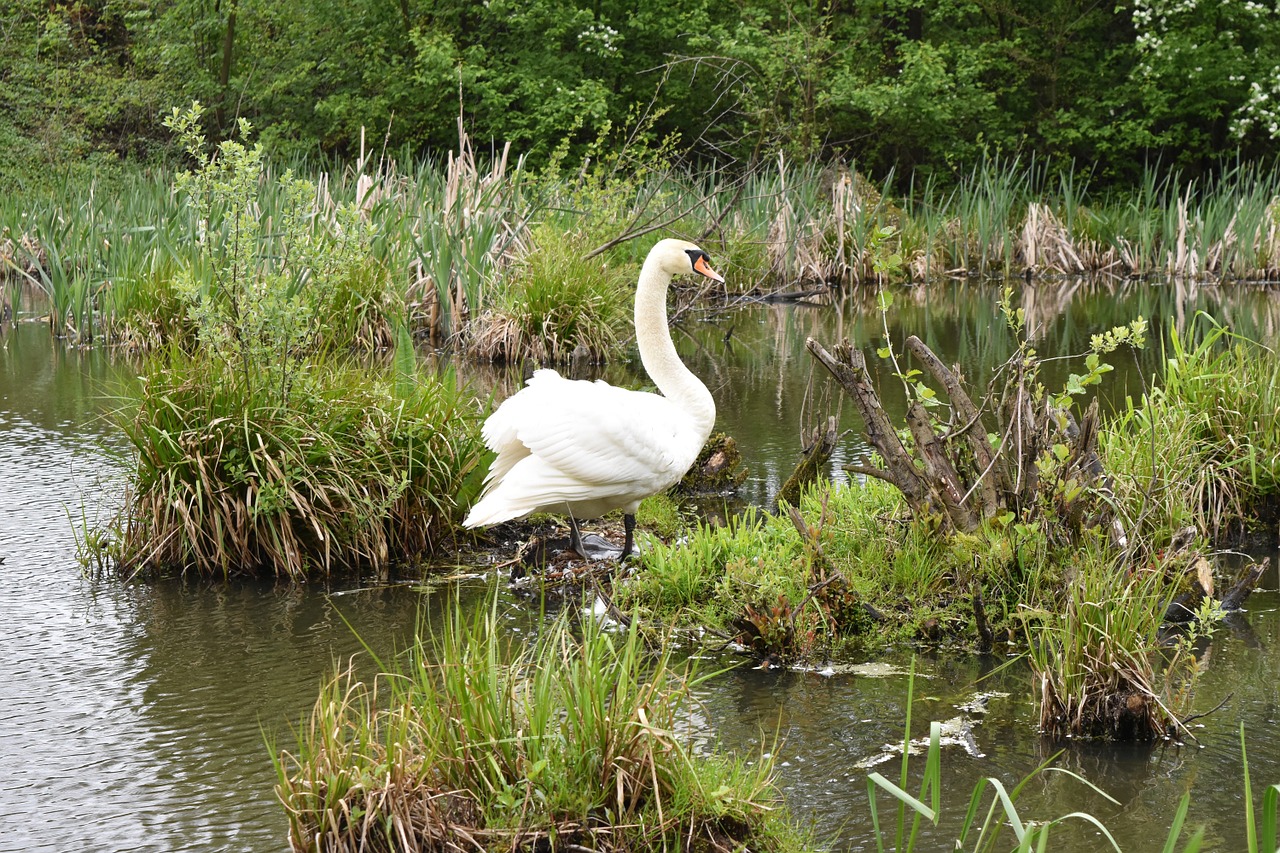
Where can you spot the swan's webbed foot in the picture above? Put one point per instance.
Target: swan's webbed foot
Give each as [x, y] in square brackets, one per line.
[595, 547]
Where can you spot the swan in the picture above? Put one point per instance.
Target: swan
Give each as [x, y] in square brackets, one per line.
[587, 448]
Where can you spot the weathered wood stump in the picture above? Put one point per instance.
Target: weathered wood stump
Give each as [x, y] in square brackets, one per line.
[953, 472]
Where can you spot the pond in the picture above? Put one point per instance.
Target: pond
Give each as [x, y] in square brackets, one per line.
[137, 717]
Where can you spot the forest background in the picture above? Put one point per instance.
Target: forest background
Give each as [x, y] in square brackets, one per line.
[897, 87]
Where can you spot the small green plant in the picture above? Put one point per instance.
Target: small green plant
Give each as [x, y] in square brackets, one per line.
[262, 291]
[1029, 835]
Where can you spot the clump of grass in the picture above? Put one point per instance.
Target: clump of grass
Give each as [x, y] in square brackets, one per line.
[1093, 657]
[1202, 449]
[352, 474]
[484, 743]
[760, 577]
[557, 304]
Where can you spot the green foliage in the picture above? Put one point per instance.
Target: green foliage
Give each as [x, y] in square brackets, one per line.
[261, 291]
[1204, 447]
[902, 87]
[570, 738]
[555, 304]
[352, 476]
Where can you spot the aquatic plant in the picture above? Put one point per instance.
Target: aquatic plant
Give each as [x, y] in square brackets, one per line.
[255, 452]
[555, 304]
[488, 743]
[357, 472]
[1093, 659]
[983, 831]
[1202, 448]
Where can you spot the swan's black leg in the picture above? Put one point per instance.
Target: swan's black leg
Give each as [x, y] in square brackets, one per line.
[575, 539]
[629, 545]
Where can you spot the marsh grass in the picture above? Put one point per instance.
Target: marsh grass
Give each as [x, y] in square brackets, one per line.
[1203, 448]
[979, 831]
[1094, 658]
[760, 575]
[481, 741]
[556, 304]
[450, 240]
[356, 473]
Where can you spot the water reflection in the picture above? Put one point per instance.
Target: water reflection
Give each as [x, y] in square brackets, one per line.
[825, 731]
[769, 393]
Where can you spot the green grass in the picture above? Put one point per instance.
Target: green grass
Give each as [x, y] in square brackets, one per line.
[1093, 656]
[1203, 448]
[358, 472]
[556, 304]
[483, 740]
[469, 243]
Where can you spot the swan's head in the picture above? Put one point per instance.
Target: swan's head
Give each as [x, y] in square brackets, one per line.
[679, 257]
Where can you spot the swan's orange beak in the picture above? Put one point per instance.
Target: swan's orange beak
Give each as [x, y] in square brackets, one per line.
[704, 267]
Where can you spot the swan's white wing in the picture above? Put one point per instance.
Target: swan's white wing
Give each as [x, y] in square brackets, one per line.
[597, 433]
[561, 440]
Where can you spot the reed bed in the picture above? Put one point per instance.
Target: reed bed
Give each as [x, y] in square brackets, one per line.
[483, 743]
[456, 236]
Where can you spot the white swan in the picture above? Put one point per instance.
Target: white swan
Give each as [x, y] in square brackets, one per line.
[588, 448]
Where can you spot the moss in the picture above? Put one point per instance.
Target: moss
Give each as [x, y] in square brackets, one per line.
[717, 470]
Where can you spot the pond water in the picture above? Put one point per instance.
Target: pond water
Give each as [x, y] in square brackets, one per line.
[136, 717]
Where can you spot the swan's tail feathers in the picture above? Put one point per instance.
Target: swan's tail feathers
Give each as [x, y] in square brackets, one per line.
[489, 511]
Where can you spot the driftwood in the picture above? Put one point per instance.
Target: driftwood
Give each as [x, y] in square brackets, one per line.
[815, 456]
[1184, 608]
[952, 471]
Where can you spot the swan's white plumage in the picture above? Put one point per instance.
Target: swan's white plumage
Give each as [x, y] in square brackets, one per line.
[588, 448]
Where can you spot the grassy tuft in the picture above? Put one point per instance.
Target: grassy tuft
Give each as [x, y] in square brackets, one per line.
[490, 744]
[351, 475]
[557, 304]
[1093, 655]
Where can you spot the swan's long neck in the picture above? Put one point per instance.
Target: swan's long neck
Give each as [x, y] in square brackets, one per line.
[658, 353]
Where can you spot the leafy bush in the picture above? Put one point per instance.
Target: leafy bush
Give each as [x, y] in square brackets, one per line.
[255, 453]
